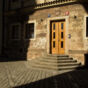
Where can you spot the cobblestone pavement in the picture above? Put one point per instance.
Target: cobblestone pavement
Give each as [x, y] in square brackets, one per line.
[19, 74]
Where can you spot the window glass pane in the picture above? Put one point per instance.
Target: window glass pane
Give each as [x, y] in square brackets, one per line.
[54, 35]
[62, 24]
[61, 44]
[87, 27]
[53, 44]
[29, 33]
[54, 26]
[62, 35]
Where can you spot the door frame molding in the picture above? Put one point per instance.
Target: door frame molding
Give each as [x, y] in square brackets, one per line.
[66, 18]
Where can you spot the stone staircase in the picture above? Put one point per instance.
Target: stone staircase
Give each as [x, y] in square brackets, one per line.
[60, 63]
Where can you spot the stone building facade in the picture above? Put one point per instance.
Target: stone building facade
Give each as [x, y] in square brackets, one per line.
[1, 24]
[42, 17]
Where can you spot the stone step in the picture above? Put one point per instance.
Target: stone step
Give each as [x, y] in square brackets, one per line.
[54, 63]
[66, 61]
[59, 63]
[69, 67]
[57, 55]
[66, 58]
[45, 57]
[66, 68]
[55, 66]
[57, 58]
[69, 64]
[44, 67]
[65, 71]
[45, 63]
[47, 60]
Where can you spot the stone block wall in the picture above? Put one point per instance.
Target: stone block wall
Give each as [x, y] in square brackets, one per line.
[38, 47]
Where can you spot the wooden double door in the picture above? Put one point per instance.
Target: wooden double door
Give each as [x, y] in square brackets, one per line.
[57, 37]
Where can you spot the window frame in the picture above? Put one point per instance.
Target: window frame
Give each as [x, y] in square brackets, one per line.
[84, 27]
[13, 24]
[29, 22]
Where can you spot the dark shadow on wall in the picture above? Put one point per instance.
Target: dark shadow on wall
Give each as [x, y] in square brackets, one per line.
[85, 5]
[15, 50]
[86, 60]
[72, 79]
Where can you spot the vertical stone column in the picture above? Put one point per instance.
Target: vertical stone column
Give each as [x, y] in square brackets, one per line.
[1, 23]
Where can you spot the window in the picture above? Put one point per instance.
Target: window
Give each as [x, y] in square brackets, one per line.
[29, 31]
[15, 31]
[53, 44]
[54, 35]
[62, 35]
[62, 25]
[54, 26]
[86, 26]
[62, 44]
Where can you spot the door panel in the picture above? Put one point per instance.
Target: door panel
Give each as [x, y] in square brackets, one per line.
[58, 37]
[61, 37]
[54, 38]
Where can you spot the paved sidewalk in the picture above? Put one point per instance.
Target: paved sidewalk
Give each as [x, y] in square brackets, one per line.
[19, 74]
